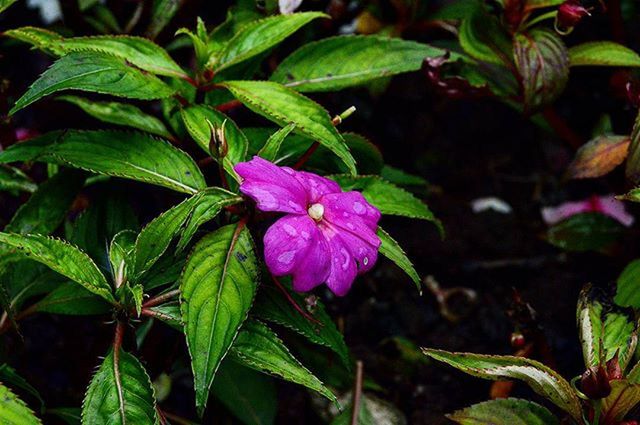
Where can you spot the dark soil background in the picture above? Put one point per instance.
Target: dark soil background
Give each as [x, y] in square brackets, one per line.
[466, 149]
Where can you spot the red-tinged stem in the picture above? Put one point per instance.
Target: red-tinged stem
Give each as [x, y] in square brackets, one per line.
[560, 126]
[155, 314]
[177, 419]
[294, 303]
[228, 106]
[305, 156]
[5, 323]
[161, 298]
[117, 345]
[357, 393]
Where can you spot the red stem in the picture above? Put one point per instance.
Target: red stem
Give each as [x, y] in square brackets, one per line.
[293, 302]
[228, 106]
[305, 156]
[357, 394]
[161, 298]
[560, 126]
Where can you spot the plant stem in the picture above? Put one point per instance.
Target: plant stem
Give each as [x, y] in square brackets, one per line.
[305, 156]
[597, 411]
[161, 298]
[293, 302]
[228, 106]
[560, 126]
[357, 393]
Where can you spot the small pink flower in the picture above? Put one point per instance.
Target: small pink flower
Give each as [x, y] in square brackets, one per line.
[606, 205]
[570, 13]
[327, 236]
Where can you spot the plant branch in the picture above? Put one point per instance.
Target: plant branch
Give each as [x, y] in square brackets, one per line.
[357, 393]
[560, 126]
[293, 302]
[152, 302]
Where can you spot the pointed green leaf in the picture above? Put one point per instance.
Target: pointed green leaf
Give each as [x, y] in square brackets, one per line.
[624, 396]
[285, 106]
[195, 119]
[273, 306]
[249, 395]
[138, 51]
[259, 36]
[136, 156]
[9, 375]
[539, 377]
[633, 161]
[71, 299]
[271, 147]
[13, 180]
[628, 286]
[63, 258]
[14, 411]
[585, 232]
[217, 285]
[387, 197]
[337, 62]
[120, 114]
[161, 14]
[185, 217]
[120, 393]
[509, 411]
[259, 347]
[483, 37]
[394, 252]
[47, 207]
[98, 73]
[602, 53]
[4, 4]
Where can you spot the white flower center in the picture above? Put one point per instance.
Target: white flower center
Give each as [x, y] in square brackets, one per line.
[316, 211]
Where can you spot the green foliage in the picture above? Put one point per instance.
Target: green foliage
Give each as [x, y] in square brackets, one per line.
[120, 393]
[114, 153]
[627, 294]
[284, 106]
[13, 180]
[510, 411]
[97, 73]
[393, 251]
[259, 347]
[217, 288]
[539, 377]
[14, 411]
[602, 53]
[336, 63]
[585, 232]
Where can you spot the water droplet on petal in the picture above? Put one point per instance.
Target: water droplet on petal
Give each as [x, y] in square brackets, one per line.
[291, 231]
[358, 208]
[286, 257]
[365, 260]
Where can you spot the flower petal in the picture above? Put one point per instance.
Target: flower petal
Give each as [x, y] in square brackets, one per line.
[294, 245]
[344, 268]
[273, 188]
[363, 252]
[316, 186]
[351, 212]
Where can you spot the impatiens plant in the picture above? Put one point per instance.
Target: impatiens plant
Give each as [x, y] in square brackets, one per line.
[604, 394]
[229, 260]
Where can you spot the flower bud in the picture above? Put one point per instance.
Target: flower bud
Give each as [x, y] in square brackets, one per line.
[614, 371]
[569, 14]
[218, 146]
[517, 340]
[595, 383]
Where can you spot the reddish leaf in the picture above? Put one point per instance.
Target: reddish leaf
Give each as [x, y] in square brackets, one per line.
[599, 157]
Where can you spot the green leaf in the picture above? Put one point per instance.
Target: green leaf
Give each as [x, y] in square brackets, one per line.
[71, 299]
[270, 149]
[585, 232]
[138, 51]
[625, 395]
[483, 37]
[195, 119]
[120, 393]
[628, 286]
[285, 106]
[218, 285]
[590, 328]
[394, 252]
[4, 4]
[170, 314]
[543, 64]
[364, 416]
[69, 415]
[10, 376]
[539, 377]
[537, 4]
[260, 36]
[337, 62]
[13, 180]
[249, 395]
[633, 161]
[47, 207]
[14, 411]
[93, 72]
[121, 252]
[387, 197]
[259, 348]
[273, 306]
[40, 38]
[120, 114]
[63, 258]
[134, 156]
[509, 411]
[599, 156]
[602, 53]
[185, 217]
[161, 14]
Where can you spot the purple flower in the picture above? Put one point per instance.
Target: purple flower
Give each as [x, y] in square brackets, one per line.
[327, 236]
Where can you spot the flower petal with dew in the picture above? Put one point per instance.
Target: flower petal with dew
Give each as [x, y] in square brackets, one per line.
[327, 236]
[607, 205]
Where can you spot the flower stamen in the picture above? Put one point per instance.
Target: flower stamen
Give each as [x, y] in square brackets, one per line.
[316, 211]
